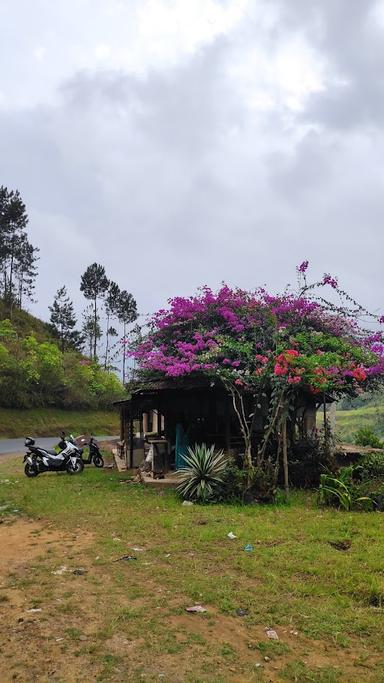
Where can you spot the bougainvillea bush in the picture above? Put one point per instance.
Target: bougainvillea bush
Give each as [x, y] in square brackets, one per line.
[262, 345]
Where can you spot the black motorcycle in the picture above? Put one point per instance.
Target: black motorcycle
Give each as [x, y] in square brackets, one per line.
[38, 459]
[94, 453]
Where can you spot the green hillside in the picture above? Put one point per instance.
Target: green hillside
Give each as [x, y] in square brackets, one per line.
[349, 421]
[51, 421]
[26, 324]
[35, 373]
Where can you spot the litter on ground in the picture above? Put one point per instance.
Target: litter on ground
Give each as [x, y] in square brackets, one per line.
[198, 609]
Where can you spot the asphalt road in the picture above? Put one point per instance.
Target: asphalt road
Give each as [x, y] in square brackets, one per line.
[17, 445]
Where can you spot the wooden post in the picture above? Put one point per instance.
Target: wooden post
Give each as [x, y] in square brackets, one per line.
[285, 456]
[325, 416]
[130, 461]
[145, 423]
[155, 421]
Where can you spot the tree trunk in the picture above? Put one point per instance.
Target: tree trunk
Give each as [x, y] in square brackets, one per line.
[106, 343]
[285, 456]
[124, 333]
[10, 279]
[95, 331]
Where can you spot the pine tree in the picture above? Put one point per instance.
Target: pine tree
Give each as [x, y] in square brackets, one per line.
[25, 271]
[63, 318]
[94, 285]
[91, 331]
[127, 313]
[17, 256]
[111, 308]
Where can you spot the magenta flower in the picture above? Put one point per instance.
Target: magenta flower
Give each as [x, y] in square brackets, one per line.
[303, 267]
[329, 280]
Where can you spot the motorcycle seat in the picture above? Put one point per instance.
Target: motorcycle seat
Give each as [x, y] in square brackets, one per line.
[48, 451]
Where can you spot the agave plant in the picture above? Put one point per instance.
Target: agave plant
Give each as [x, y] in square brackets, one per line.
[203, 477]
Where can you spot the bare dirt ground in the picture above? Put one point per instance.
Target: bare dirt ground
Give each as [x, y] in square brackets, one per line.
[53, 625]
[29, 634]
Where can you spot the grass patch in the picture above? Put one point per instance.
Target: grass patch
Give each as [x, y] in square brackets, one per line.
[301, 673]
[15, 423]
[293, 581]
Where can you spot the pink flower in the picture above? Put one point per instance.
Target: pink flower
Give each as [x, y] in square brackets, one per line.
[292, 352]
[303, 266]
[294, 380]
[329, 280]
[359, 374]
[239, 382]
[280, 369]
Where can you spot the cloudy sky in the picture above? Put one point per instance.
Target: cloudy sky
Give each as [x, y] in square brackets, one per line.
[182, 143]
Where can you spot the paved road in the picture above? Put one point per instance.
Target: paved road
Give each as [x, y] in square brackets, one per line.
[17, 445]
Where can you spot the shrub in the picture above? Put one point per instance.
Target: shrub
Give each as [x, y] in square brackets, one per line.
[203, 478]
[367, 437]
[234, 482]
[310, 457]
[342, 492]
[372, 466]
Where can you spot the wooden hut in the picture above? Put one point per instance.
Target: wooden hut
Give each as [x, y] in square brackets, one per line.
[202, 407]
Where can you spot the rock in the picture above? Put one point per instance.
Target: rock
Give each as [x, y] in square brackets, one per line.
[187, 503]
[270, 633]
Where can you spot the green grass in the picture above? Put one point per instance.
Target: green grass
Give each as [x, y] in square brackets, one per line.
[349, 421]
[51, 421]
[293, 581]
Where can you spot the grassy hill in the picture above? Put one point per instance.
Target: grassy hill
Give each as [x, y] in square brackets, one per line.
[44, 390]
[366, 410]
[26, 324]
[349, 421]
[51, 421]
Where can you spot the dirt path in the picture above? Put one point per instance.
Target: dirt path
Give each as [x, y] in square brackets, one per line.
[29, 643]
[57, 624]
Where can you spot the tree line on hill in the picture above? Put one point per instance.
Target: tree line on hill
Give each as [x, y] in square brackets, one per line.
[36, 372]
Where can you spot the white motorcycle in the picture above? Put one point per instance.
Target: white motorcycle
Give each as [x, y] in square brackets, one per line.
[38, 459]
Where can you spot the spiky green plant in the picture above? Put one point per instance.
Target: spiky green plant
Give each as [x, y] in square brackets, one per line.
[341, 492]
[203, 477]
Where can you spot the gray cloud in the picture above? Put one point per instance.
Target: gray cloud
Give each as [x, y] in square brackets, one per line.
[195, 171]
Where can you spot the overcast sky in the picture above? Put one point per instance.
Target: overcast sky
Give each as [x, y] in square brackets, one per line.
[187, 142]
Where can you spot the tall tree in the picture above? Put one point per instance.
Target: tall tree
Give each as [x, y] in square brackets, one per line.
[91, 332]
[94, 285]
[17, 256]
[112, 301]
[127, 313]
[25, 271]
[63, 317]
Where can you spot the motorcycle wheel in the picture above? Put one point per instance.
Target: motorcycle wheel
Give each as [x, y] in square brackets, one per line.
[98, 461]
[79, 466]
[30, 470]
